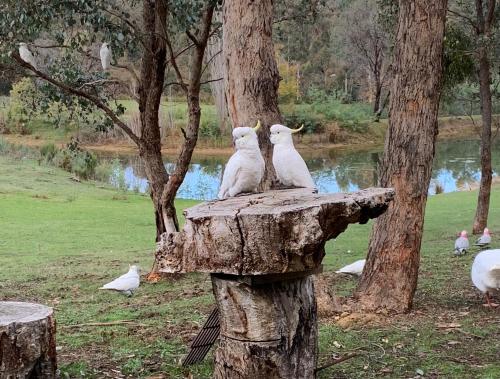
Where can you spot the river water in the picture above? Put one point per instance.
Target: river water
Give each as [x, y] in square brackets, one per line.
[456, 167]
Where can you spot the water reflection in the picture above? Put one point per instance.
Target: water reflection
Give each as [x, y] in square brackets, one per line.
[456, 166]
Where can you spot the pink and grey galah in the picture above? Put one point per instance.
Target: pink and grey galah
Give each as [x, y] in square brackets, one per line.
[461, 244]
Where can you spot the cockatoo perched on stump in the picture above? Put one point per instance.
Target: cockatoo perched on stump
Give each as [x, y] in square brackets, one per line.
[245, 168]
[127, 283]
[105, 54]
[290, 168]
[26, 55]
[461, 243]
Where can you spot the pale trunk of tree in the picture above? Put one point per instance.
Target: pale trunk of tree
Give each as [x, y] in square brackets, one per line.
[215, 57]
[483, 200]
[251, 73]
[390, 276]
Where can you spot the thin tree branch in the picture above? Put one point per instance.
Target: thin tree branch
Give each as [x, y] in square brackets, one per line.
[211, 80]
[173, 62]
[100, 81]
[210, 61]
[73, 91]
[192, 37]
[471, 21]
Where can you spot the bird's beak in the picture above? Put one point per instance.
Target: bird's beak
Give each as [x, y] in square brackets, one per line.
[257, 127]
[298, 130]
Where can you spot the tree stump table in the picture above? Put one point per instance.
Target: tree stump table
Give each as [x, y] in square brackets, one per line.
[27, 341]
[261, 251]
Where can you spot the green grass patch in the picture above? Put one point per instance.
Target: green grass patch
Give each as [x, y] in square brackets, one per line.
[60, 240]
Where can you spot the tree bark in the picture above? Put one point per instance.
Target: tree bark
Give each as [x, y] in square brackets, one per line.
[227, 236]
[27, 341]
[150, 92]
[162, 186]
[251, 73]
[390, 276]
[266, 331]
[483, 200]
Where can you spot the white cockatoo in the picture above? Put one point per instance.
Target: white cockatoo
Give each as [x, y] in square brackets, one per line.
[355, 268]
[26, 55]
[461, 243]
[485, 273]
[127, 283]
[485, 239]
[290, 168]
[105, 54]
[245, 168]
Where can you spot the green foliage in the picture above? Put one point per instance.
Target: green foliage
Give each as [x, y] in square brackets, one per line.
[458, 61]
[310, 122]
[94, 238]
[73, 159]
[351, 116]
[48, 152]
[209, 128]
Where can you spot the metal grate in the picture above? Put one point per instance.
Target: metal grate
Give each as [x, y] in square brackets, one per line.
[204, 340]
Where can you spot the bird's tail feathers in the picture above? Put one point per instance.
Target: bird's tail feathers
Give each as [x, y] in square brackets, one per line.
[495, 272]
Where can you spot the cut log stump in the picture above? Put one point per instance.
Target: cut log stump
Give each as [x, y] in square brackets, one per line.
[27, 341]
[261, 251]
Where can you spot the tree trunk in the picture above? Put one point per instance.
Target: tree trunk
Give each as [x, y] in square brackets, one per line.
[215, 59]
[266, 331]
[27, 341]
[390, 276]
[483, 200]
[377, 95]
[251, 72]
[162, 186]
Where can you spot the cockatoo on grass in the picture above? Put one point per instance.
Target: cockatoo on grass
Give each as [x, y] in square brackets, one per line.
[105, 54]
[485, 239]
[461, 244]
[485, 273]
[245, 168]
[26, 55]
[355, 268]
[127, 283]
[290, 168]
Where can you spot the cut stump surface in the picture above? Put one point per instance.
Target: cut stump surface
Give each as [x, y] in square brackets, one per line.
[27, 341]
[272, 232]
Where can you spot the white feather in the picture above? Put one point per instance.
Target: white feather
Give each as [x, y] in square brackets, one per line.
[290, 168]
[245, 168]
[26, 55]
[355, 268]
[127, 283]
[485, 272]
[105, 54]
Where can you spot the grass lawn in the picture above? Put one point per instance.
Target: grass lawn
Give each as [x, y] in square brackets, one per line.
[60, 240]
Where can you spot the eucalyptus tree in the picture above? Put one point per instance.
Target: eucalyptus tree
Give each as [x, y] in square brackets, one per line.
[390, 275]
[480, 18]
[144, 36]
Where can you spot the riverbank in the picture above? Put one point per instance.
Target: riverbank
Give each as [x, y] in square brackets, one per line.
[312, 144]
[62, 239]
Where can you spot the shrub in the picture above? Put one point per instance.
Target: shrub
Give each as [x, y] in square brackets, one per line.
[73, 159]
[311, 123]
[48, 152]
[209, 128]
